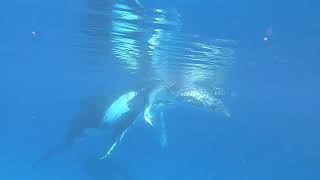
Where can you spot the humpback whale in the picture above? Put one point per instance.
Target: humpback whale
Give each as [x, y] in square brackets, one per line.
[120, 114]
[166, 96]
[199, 96]
[100, 114]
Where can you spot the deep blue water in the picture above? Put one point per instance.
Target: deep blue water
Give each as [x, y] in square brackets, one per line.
[263, 55]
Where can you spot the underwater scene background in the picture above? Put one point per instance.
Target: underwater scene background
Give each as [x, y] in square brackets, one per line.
[243, 77]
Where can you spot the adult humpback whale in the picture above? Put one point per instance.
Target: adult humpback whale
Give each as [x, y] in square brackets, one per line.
[99, 115]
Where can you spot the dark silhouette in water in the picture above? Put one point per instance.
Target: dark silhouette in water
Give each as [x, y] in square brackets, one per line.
[88, 116]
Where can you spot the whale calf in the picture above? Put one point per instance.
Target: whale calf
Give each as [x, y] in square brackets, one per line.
[168, 96]
[199, 96]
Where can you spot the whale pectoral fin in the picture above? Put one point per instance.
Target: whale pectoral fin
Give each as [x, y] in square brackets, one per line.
[148, 120]
[147, 115]
[116, 140]
[162, 131]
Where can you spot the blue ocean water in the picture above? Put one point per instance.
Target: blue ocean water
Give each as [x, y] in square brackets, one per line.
[258, 59]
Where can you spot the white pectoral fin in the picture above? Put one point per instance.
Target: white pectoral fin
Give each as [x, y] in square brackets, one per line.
[148, 120]
[109, 151]
[116, 141]
[159, 124]
[147, 115]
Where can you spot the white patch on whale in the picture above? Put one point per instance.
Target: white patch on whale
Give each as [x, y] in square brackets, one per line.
[157, 100]
[147, 115]
[201, 97]
[118, 108]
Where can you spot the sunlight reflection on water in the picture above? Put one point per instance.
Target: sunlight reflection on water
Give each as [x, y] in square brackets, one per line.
[150, 43]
